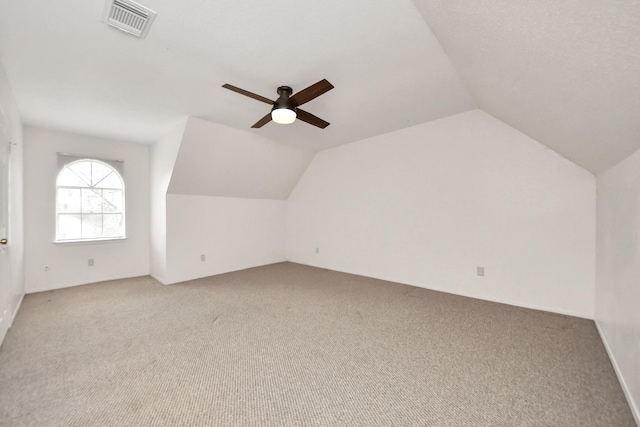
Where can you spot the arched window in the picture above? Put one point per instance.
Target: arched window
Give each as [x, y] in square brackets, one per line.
[89, 202]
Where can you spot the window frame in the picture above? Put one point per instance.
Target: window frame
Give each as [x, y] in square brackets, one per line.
[72, 160]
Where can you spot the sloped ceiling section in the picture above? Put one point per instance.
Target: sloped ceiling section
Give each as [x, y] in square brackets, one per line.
[217, 160]
[69, 71]
[567, 73]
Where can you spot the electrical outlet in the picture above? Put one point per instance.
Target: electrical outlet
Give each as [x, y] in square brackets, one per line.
[90, 262]
[480, 271]
[317, 250]
[203, 257]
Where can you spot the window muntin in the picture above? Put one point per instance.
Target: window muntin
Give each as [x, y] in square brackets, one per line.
[89, 202]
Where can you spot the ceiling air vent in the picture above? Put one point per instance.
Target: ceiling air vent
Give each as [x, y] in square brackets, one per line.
[128, 16]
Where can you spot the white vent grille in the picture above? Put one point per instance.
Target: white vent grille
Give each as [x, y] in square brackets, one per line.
[128, 16]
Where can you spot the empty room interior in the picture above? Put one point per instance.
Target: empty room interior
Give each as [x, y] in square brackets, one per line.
[375, 213]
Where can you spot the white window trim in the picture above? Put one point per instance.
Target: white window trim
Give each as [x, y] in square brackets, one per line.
[89, 241]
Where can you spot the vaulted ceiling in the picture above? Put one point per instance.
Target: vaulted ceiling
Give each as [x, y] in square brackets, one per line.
[565, 73]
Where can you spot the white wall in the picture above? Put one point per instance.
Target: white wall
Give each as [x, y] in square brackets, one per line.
[11, 126]
[226, 200]
[232, 233]
[217, 160]
[68, 261]
[617, 309]
[427, 204]
[163, 158]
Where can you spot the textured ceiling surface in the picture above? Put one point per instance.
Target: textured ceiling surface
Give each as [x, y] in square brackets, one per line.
[564, 72]
[70, 71]
[567, 73]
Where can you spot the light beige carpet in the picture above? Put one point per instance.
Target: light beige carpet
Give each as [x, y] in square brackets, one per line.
[291, 345]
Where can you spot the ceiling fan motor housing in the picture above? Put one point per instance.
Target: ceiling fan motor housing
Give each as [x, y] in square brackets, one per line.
[283, 101]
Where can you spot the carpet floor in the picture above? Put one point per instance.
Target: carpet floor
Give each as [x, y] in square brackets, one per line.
[292, 345]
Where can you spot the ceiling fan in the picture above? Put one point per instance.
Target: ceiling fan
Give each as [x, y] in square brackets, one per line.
[285, 109]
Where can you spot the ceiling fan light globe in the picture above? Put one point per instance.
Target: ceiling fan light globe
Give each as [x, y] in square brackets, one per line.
[283, 116]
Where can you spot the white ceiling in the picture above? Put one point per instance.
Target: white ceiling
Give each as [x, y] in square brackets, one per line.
[72, 72]
[565, 73]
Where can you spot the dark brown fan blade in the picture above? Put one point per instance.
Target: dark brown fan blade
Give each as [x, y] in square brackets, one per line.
[263, 121]
[247, 93]
[311, 119]
[312, 92]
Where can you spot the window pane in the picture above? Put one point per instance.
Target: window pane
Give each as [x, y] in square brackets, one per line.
[91, 200]
[69, 200]
[98, 172]
[112, 225]
[69, 227]
[91, 226]
[70, 179]
[112, 200]
[82, 169]
[111, 181]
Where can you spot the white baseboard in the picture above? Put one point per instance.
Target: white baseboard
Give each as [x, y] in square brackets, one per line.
[556, 310]
[225, 270]
[8, 318]
[515, 303]
[625, 389]
[158, 279]
[4, 326]
[37, 289]
[15, 312]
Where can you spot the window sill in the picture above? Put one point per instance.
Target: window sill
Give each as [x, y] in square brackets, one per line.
[89, 241]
